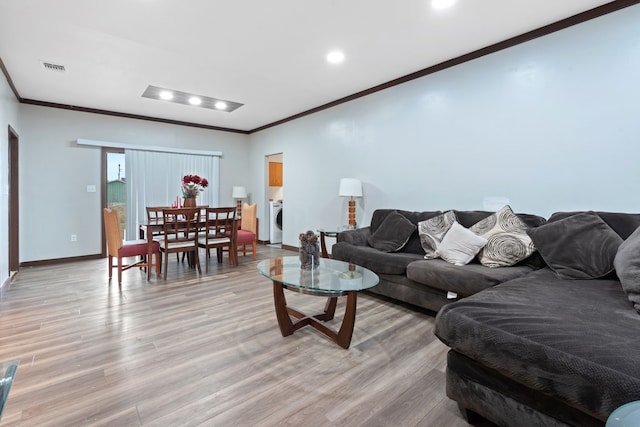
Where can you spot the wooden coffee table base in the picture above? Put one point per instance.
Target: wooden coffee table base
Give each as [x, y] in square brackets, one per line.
[287, 327]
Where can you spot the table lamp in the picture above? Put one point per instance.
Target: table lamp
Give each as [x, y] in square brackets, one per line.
[239, 193]
[351, 187]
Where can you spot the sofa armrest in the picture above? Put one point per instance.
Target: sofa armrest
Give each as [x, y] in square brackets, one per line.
[357, 237]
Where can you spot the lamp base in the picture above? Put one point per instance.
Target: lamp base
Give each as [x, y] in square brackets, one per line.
[352, 213]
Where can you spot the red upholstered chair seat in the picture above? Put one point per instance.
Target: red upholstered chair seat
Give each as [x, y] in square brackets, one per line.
[135, 247]
[245, 237]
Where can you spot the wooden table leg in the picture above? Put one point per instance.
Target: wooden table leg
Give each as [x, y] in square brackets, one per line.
[287, 327]
[330, 308]
[284, 321]
[349, 321]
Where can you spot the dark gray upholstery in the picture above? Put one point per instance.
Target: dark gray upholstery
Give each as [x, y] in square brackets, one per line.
[528, 348]
[575, 340]
[373, 259]
[413, 246]
[353, 246]
[627, 265]
[542, 350]
[400, 288]
[622, 223]
[481, 390]
[392, 234]
[580, 246]
[464, 280]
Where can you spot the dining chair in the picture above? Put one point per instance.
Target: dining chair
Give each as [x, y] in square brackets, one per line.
[247, 234]
[180, 228]
[154, 216]
[219, 233]
[119, 249]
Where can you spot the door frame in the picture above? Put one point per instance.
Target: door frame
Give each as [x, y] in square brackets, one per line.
[103, 189]
[14, 202]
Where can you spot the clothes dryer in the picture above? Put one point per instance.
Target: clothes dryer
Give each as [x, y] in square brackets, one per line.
[275, 222]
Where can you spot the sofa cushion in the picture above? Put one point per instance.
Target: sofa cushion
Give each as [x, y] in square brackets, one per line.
[622, 223]
[507, 240]
[581, 246]
[373, 259]
[462, 280]
[627, 265]
[413, 245]
[433, 230]
[575, 340]
[460, 245]
[392, 234]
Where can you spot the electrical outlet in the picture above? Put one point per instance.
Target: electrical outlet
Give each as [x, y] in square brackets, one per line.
[74, 238]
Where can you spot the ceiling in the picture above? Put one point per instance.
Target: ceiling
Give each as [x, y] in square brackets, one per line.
[267, 55]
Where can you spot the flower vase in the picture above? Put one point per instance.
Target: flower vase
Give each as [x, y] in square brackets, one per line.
[189, 202]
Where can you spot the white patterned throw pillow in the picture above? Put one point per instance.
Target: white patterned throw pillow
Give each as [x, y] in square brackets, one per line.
[432, 231]
[507, 240]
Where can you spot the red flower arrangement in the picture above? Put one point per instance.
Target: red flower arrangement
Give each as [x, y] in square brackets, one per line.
[192, 184]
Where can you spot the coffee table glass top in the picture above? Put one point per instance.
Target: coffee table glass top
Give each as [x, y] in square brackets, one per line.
[331, 278]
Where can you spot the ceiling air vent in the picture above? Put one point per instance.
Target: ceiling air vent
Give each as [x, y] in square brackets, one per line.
[52, 67]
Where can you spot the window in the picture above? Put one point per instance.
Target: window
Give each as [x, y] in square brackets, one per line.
[154, 179]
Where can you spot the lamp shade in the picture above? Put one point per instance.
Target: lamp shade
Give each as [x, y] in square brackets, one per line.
[350, 187]
[239, 193]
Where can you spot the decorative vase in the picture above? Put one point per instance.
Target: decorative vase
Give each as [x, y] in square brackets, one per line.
[189, 202]
[309, 251]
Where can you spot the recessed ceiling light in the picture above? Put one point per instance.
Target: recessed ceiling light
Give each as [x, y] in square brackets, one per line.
[335, 57]
[166, 95]
[221, 105]
[442, 4]
[194, 100]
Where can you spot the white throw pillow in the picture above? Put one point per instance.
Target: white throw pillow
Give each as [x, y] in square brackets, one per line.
[460, 245]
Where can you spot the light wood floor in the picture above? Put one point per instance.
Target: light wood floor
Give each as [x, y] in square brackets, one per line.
[205, 350]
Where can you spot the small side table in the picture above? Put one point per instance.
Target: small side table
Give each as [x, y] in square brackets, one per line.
[324, 233]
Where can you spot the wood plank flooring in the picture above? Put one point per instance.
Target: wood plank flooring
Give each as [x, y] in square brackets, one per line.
[205, 350]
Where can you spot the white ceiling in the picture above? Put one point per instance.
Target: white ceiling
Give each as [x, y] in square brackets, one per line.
[268, 55]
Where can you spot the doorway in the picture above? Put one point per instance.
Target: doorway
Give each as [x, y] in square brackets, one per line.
[114, 187]
[275, 184]
[14, 211]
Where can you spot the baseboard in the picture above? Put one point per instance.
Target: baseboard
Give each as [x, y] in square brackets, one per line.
[59, 260]
[290, 248]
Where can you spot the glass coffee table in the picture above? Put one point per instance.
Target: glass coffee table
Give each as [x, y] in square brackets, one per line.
[331, 279]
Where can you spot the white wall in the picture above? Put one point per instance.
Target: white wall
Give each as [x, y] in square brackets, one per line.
[551, 125]
[8, 117]
[54, 173]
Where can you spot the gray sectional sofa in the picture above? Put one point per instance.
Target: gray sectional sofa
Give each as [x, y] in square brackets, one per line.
[406, 276]
[553, 341]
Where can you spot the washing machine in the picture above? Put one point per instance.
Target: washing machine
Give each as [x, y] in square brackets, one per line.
[275, 222]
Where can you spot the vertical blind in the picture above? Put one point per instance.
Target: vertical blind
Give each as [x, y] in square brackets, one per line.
[154, 178]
